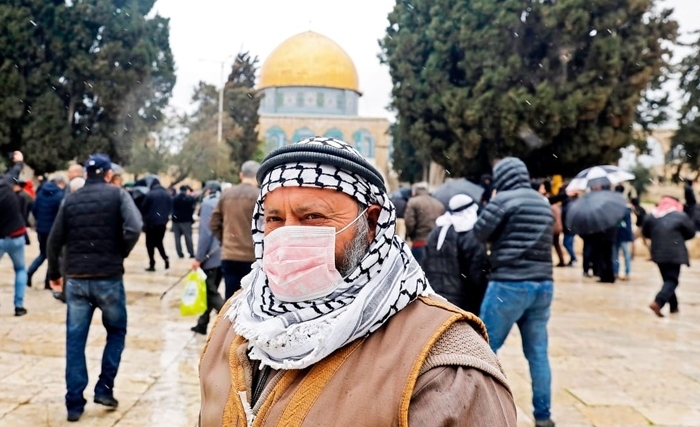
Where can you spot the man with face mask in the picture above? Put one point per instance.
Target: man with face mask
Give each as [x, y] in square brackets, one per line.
[99, 225]
[337, 313]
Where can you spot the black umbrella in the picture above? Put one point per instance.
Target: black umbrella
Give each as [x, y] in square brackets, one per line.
[595, 212]
[457, 186]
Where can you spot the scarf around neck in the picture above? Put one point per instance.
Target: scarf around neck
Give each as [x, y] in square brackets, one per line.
[666, 206]
[284, 335]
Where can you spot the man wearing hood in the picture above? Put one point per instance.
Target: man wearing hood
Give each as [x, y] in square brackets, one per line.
[336, 325]
[668, 227]
[518, 224]
[156, 209]
[45, 210]
[456, 264]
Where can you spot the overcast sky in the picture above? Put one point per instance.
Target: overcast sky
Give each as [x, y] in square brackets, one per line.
[211, 30]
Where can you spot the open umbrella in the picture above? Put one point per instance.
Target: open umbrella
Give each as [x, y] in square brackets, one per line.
[599, 175]
[595, 212]
[457, 186]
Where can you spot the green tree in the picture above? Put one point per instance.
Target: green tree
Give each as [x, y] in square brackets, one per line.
[642, 179]
[82, 76]
[242, 103]
[558, 83]
[200, 156]
[685, 144]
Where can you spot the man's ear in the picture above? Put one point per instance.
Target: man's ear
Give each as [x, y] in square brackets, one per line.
[373, 219]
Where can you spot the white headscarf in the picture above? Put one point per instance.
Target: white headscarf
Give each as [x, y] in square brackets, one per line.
[295, 335]
[462, 216]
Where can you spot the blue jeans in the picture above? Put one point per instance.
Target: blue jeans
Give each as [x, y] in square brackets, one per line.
[82, 297]
[527, 304]
[14, 247]
[625, 247]
[569, 245]
[418, 253]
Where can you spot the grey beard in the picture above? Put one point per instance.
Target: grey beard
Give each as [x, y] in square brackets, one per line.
[356, 250]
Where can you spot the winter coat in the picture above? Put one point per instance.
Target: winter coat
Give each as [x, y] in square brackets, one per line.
[459, 270]
[12, 219]
[518, 223]
[156, 206]
[668, 235]
[420, 216]
[624, 229]
[99, 226]
[46, 205]
[183, 208]
[208, 246]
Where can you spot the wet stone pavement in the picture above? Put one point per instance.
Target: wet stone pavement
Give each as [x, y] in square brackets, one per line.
[614, 363]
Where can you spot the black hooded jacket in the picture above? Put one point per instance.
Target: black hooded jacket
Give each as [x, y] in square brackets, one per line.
[518, 224]
[157, 206]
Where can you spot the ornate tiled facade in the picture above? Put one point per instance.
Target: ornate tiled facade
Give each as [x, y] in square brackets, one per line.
[310, 87]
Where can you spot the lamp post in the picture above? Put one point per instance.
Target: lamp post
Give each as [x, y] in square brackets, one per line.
[221, 95]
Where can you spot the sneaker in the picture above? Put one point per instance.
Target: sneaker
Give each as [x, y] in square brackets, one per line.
[151, 269]
[199, 329]
[20, 311]
[674, 310]
[167, 264]
[561, 264]
[74, 416]
[192, 257]
[572, 263]
[108, 401]
[544, 423]
[656, 309]
[59, 296]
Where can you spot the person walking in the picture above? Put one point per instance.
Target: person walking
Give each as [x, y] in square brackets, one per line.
[183, 217]
[209, 256]
[99, 226]
[230, 224]
[45, 209]
[668, 227]
[518, 224]
[690, 200]
[13, 229]
[421, 212]
[456, 264]
[155, 209]
[639, 216]
[624, 239]
[74, 171]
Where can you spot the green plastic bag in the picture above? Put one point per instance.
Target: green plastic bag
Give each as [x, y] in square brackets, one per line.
[194, 295]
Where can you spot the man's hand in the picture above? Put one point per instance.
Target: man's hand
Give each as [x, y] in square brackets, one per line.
[17, 157]
[195, 264]
[56, 285]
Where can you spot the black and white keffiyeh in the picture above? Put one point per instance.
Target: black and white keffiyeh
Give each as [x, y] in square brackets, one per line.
[285, 335]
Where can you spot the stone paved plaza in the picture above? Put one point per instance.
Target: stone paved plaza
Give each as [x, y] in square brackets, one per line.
[614, 363]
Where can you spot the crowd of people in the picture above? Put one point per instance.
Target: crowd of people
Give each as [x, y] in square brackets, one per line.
[330, 290]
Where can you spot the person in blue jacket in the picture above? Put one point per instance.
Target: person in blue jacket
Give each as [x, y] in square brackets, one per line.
[625, 236]
[45, 209]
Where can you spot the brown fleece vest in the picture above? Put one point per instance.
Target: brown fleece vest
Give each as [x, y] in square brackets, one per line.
[369, 382]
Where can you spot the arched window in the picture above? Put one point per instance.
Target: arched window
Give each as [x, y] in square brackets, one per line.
[364, 142]
[302, 133]
[334, 133]
[275, 138]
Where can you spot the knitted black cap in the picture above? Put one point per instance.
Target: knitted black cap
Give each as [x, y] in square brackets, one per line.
[325, 151]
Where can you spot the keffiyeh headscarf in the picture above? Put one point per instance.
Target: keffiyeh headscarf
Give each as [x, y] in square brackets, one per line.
[462, 215]
[286, 335]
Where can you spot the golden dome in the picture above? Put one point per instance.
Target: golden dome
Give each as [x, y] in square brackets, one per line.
[309, 59]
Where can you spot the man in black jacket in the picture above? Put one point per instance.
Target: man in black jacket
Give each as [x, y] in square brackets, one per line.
[13, 229]
[156, 209]
[99, 226]
[455, 263]
[668, 228]
[518, 225]
[183, 211]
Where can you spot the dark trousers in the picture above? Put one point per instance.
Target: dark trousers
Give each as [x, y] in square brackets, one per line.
[154, 240]
[603, 260]
[669, 274]
[214, 299]
[588, 256]
[183, 229]
[557, 247]
[233, 272]
[43, 238]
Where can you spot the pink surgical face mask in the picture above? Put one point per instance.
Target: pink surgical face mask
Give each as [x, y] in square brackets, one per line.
[299, 262]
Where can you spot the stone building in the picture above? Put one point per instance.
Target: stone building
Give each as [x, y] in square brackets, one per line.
[311, 87]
